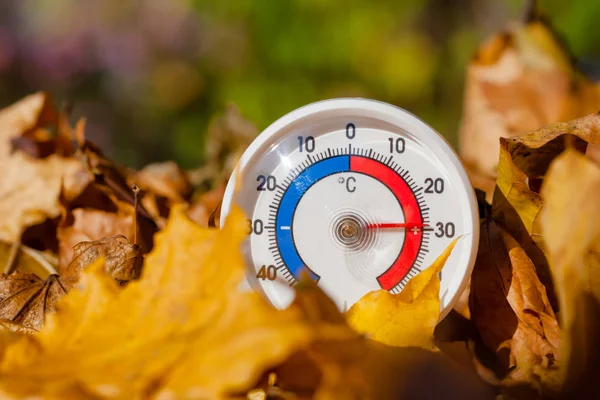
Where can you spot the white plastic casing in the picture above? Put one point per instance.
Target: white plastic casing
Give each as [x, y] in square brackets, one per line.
[463, 258]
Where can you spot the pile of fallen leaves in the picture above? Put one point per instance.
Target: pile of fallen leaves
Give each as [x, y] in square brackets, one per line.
[117, 285]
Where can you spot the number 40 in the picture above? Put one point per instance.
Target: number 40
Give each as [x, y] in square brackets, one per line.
[267, 272]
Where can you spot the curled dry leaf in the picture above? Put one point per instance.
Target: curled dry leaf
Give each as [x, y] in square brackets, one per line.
[511, 310]
[518, 81]
[383, 316]
[122, 260]
[523, 163]
[25, 299]
[571, 227]
[89, 225]
[30, 187]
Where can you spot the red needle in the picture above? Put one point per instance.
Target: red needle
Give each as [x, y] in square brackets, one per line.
[395, 225]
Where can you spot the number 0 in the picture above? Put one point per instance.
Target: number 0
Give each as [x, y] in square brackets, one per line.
[350, 131]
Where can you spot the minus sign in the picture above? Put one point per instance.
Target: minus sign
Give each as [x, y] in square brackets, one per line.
[284, 228]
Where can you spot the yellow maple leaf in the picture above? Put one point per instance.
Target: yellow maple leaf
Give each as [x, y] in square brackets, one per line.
[405, 319]
[182, 331]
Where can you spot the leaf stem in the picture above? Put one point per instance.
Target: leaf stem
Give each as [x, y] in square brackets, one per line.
[136, 200]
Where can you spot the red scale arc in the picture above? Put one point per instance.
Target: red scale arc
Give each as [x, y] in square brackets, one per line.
[412, 215]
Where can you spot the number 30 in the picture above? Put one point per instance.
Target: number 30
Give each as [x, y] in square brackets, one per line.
[447, 229]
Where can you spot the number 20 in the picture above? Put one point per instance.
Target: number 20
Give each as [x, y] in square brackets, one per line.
[434, 185]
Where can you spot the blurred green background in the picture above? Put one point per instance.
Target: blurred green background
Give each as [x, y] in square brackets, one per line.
[150, 74]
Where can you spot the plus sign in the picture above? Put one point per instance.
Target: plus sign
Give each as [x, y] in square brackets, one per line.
[414, 230]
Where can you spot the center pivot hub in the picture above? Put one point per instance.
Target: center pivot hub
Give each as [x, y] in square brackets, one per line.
[350, 232]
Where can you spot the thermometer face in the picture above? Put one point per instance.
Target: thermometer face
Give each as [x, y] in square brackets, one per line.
[360, 195]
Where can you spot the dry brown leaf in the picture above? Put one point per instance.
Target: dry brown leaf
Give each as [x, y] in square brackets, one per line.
[523, 163]
[519, 81]
[89, 225]
[25, 299]
[571, 227]
[383, 316]
[122, 260]
[512, 313]
[30, 187]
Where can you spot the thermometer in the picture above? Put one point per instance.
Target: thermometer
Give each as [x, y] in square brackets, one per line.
[358, 194]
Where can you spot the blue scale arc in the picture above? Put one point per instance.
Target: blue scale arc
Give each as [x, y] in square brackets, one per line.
[289, 202]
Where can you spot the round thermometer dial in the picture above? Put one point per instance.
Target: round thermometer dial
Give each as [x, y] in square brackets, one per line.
[359, 194]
